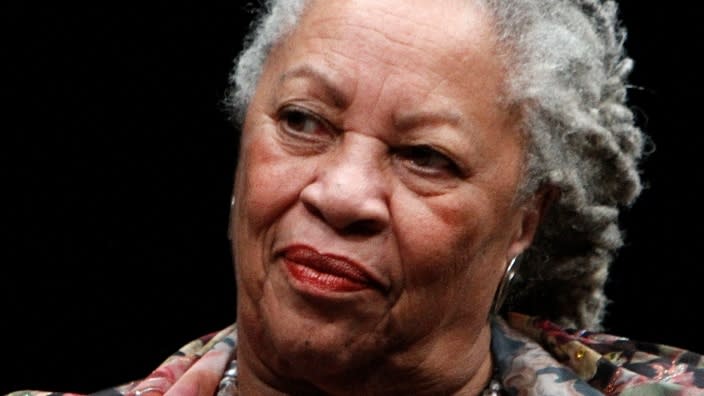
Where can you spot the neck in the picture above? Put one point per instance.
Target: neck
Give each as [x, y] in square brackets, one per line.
[448, 367]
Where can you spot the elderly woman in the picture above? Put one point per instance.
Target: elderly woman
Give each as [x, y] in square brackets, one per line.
[399, 160]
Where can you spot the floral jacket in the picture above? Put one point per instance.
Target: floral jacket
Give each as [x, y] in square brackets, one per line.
[532, 356]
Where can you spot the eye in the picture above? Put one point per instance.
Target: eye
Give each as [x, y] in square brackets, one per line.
[427, 160]
[298, 121]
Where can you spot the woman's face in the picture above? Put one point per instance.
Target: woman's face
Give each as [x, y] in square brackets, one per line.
[375, 196]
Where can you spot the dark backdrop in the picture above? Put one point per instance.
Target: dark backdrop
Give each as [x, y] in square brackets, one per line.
[118, 161]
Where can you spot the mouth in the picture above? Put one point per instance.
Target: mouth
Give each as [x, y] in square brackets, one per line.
[327, 272]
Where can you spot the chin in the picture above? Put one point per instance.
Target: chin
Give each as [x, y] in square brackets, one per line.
[302, 344]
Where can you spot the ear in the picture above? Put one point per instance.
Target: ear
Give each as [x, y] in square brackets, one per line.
[531, 214]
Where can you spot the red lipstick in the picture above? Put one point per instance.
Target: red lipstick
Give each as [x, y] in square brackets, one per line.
[326, 271]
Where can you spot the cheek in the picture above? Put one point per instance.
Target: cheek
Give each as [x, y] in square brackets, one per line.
[265, 189]
[453, 250]
[437, 231]
[268, 182]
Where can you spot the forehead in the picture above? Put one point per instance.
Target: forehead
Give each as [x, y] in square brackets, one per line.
[438, 48]
[417, 14]
[430, 26]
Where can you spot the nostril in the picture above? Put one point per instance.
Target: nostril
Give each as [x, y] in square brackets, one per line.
[344, 223]
[313, 210]
[363, 228]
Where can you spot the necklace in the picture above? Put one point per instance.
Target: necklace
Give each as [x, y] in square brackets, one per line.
[493, 389]
[228, 384]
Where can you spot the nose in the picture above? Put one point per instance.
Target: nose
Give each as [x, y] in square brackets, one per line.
[349, 191]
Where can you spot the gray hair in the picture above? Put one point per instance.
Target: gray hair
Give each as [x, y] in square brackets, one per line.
[567, 72]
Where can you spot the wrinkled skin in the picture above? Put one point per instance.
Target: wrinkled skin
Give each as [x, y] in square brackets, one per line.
[377, 134]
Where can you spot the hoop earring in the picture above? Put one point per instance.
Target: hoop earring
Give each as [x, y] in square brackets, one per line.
[502, 291]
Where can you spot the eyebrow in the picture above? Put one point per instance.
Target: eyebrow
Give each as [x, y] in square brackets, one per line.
[408, 121]
[331, 91]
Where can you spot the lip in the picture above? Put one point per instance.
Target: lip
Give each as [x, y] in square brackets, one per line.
[327, 272]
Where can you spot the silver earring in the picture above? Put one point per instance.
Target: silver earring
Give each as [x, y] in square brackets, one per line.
[229, 223]
[502, 291]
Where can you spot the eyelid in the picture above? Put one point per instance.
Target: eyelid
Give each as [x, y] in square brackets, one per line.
[313, 115]
[453, 166]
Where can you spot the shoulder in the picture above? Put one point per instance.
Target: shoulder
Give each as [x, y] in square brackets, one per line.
[533, 352]
[204, 363]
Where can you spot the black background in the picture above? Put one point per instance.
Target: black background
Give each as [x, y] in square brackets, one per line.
[117, 165]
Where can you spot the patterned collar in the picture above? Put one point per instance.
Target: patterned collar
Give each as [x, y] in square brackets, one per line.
[532, 356]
